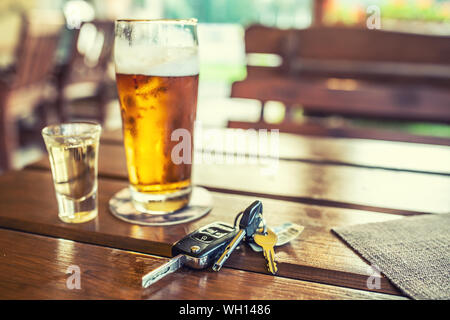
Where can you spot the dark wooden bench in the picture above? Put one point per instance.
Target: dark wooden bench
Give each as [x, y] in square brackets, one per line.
[350, 72]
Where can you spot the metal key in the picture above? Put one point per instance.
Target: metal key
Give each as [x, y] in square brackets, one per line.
[171, 266]
[267, 242]
[249, 223]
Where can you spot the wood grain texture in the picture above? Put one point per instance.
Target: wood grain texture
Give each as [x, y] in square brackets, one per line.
[356, 152]
[317, 255]
[351, 187]
[340, 186]
[105, 273]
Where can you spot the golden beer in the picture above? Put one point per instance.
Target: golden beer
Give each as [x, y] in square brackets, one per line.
[157, 82]
[152, 107]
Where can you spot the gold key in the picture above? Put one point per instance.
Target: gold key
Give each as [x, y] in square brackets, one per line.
[267, 242]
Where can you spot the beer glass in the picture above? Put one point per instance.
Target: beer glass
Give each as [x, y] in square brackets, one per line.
[157, 82]
[73, 154]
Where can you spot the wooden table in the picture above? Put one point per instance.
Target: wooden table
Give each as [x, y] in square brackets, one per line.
[320, 184]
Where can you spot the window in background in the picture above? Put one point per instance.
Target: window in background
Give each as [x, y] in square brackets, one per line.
[279, 13]
[416, 16]
[222, 51]
[221, 29]
[128, 9]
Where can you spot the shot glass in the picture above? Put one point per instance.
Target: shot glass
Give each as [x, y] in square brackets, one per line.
[73, 154]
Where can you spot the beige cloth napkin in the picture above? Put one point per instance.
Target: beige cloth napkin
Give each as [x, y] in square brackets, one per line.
[413, 252]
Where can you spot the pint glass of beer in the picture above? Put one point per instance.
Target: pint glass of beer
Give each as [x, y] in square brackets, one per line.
[157, 82]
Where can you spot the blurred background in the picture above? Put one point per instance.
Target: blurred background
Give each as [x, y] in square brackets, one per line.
[367, 69]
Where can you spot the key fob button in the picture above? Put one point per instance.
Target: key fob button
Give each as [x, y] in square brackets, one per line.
[225, 228]
[219, 234]
[216, 232]
[210, 231]
[203, 237]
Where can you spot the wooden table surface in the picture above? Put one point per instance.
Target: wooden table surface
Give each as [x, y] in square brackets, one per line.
[320, 183]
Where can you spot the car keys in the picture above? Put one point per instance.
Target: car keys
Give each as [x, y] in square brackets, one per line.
[267, 242]
[249, 223]
[197, 250]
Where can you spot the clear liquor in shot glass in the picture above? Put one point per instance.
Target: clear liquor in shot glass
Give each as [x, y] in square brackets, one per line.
[73, 154]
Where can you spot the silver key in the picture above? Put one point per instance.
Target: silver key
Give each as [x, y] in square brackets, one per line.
[229, 249]
[170, 266]
[249, 223]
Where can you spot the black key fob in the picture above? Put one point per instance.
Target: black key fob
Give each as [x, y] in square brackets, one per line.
[203, 246]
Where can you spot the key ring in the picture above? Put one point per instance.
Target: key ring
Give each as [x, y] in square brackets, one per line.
[236, 218]
[264, 226]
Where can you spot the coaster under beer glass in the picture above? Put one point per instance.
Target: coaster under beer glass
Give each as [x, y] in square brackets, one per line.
[157, 82]
[73, 155]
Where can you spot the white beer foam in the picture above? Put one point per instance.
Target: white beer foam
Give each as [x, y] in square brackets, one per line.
[153, 60]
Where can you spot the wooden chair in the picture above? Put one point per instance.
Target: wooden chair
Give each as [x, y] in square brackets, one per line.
[84, 75]
[351, 53]
[350, 72]
[25, 87]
